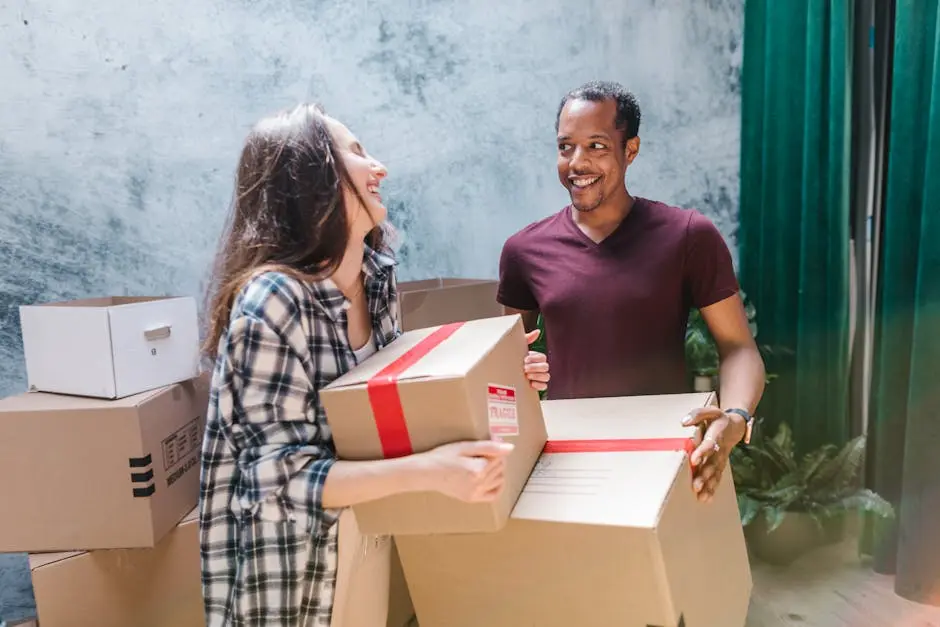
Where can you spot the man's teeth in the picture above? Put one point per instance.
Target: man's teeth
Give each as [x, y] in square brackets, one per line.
[584, 182]
[373, 189]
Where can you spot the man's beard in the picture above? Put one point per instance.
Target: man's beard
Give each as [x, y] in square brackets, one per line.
[587, 208]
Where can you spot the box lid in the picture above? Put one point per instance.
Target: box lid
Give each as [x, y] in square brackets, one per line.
[105, 302]
[44, 401]
[613, 487]
[416, 354]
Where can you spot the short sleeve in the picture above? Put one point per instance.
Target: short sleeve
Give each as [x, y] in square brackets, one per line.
[514, 289]
[710, 272]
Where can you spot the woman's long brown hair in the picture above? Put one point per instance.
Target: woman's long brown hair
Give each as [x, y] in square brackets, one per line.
[288, 212]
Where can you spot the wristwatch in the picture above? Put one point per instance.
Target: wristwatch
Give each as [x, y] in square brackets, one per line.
[749, 422]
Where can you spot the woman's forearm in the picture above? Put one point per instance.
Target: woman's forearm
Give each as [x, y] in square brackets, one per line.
[349, 483]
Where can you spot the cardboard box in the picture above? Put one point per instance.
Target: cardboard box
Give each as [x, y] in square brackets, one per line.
[110, 347]
[429, 303]
[433, 302]
[430, 387]
[401, 611]
[601, 535]
[162, 587]
[84, 473]
[159, 587]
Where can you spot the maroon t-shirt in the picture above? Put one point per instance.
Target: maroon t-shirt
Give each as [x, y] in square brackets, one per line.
[616, 312]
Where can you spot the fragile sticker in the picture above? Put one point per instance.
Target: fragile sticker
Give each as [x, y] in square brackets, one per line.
[503, 411]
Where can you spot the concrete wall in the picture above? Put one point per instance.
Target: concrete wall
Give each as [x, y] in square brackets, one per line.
[120, 125]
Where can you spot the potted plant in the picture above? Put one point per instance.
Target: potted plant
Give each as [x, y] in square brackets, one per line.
[790, 505]
[701, 352]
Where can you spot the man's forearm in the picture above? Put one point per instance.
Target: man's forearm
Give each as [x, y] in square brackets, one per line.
[741, 379]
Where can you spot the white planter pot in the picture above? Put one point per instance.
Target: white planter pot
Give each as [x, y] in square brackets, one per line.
[704, 384]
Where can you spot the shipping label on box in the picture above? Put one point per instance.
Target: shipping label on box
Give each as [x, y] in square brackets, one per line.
[462, 381]
[98, 474]
[607, 531]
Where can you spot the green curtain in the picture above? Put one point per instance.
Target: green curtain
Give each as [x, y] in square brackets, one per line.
[904, 427]
[794, 216]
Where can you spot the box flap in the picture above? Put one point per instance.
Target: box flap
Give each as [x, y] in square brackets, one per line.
[464, 348]
[653, 416]
[609, 488]
[38, 560]
[191, 516]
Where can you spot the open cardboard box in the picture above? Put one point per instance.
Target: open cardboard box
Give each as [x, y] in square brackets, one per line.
[607, 531]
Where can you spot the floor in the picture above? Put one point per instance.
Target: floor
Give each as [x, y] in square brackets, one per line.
[827, 588]
[831, 587]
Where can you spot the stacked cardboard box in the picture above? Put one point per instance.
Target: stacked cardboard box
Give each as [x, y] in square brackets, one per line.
[100, 461]
[604, 530]
[105, 447]
[442, 398]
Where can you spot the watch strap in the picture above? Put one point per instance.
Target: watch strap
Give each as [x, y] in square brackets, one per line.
[748, 422]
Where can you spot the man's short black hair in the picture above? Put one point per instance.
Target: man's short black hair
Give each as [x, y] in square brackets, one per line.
[627, 119]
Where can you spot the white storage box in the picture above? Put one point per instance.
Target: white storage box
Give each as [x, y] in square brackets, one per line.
[110, 347]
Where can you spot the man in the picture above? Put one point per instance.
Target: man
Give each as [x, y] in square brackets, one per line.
[615, 276]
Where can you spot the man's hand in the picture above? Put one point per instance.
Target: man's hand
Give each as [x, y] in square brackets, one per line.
[536, 365]
[710, 459]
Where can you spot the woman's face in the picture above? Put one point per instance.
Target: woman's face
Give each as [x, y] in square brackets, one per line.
[366, 173]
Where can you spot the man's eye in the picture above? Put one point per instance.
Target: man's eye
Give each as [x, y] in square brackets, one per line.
[598, 146]
[563, 147]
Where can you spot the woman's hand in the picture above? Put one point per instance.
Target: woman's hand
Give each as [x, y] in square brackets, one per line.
[468, 471]
[710, 459]
[536, 365]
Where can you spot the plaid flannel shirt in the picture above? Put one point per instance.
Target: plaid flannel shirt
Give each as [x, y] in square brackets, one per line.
[268, 548]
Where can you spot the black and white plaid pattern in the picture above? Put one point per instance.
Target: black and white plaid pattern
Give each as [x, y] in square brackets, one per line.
[268, 548]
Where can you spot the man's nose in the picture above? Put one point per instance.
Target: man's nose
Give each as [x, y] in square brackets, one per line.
[577, 158]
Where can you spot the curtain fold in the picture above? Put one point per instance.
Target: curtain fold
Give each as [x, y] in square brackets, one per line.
[794, 216]
[904, 446]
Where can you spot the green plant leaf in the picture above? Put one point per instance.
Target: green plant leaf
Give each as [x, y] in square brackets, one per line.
[748, 508]
[841, 472]
[815, 460]
[783, 439]
[862, 501]
[774, 516]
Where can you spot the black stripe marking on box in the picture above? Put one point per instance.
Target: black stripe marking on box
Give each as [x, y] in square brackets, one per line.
[149, 490]
[141, 462]
[145, 477]
[142, 477]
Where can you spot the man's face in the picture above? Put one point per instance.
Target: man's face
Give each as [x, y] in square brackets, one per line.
[592, 160]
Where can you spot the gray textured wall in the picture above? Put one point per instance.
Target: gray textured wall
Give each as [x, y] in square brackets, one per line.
[120, 124]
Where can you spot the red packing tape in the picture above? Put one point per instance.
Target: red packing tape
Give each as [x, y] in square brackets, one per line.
[385, 401]
[622, 445]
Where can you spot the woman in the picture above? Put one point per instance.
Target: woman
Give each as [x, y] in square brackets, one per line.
[303, 291]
